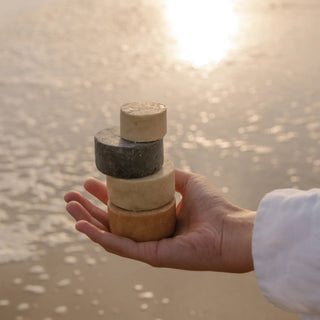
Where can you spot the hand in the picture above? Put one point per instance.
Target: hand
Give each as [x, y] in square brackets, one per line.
[211, 234]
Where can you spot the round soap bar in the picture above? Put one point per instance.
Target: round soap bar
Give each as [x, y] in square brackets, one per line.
[151, 192]
[143, 121]
[124, 159]
[143, 225]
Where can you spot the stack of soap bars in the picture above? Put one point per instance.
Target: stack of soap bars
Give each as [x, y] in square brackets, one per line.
[140, 182]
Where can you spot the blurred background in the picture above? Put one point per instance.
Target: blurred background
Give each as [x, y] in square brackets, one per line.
[240, 80]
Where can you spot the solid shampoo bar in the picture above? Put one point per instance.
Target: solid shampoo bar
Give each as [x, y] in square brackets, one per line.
[143, 121]
[143, 225]
[153, 191]
[124, 159]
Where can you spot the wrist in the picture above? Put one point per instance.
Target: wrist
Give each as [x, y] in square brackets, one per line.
[237, 240]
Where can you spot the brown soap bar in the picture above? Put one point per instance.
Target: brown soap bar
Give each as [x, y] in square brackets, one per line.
[143, 225]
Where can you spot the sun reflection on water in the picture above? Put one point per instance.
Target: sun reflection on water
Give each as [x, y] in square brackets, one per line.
[202, 28]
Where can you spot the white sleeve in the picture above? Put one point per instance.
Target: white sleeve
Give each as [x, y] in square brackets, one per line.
[286, 250]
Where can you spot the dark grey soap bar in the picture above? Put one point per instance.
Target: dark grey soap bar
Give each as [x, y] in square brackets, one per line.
[125, 159]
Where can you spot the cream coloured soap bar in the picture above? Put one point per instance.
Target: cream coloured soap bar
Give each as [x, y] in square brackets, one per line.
[143, 121]
[153, 191]
[143, 225]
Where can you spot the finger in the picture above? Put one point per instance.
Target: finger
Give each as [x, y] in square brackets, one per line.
[152, 252]
[112, 243]
[181, 178]
[69, 196]
[95, 211]
[78, 212]
[178, 208]
[97, 188]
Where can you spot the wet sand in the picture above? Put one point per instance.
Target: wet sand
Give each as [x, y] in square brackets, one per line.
[250, 122]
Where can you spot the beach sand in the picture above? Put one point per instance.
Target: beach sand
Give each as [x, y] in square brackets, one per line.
[249, 120]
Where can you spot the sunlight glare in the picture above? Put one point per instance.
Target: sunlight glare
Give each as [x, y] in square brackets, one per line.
[202, 28]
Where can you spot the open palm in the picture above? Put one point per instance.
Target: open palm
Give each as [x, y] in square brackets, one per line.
[199, 242]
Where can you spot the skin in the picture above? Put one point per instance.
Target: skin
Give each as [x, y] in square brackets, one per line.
[212, 234]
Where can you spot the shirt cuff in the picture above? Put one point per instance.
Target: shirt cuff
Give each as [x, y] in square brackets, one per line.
[286, 250]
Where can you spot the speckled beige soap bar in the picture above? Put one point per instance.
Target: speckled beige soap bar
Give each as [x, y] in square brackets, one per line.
[143, 121]
[150, 192]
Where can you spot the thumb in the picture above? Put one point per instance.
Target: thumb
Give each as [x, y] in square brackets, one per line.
[181, 178]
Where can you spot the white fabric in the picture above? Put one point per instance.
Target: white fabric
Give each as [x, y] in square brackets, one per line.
[286, 250]
[310, 317]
